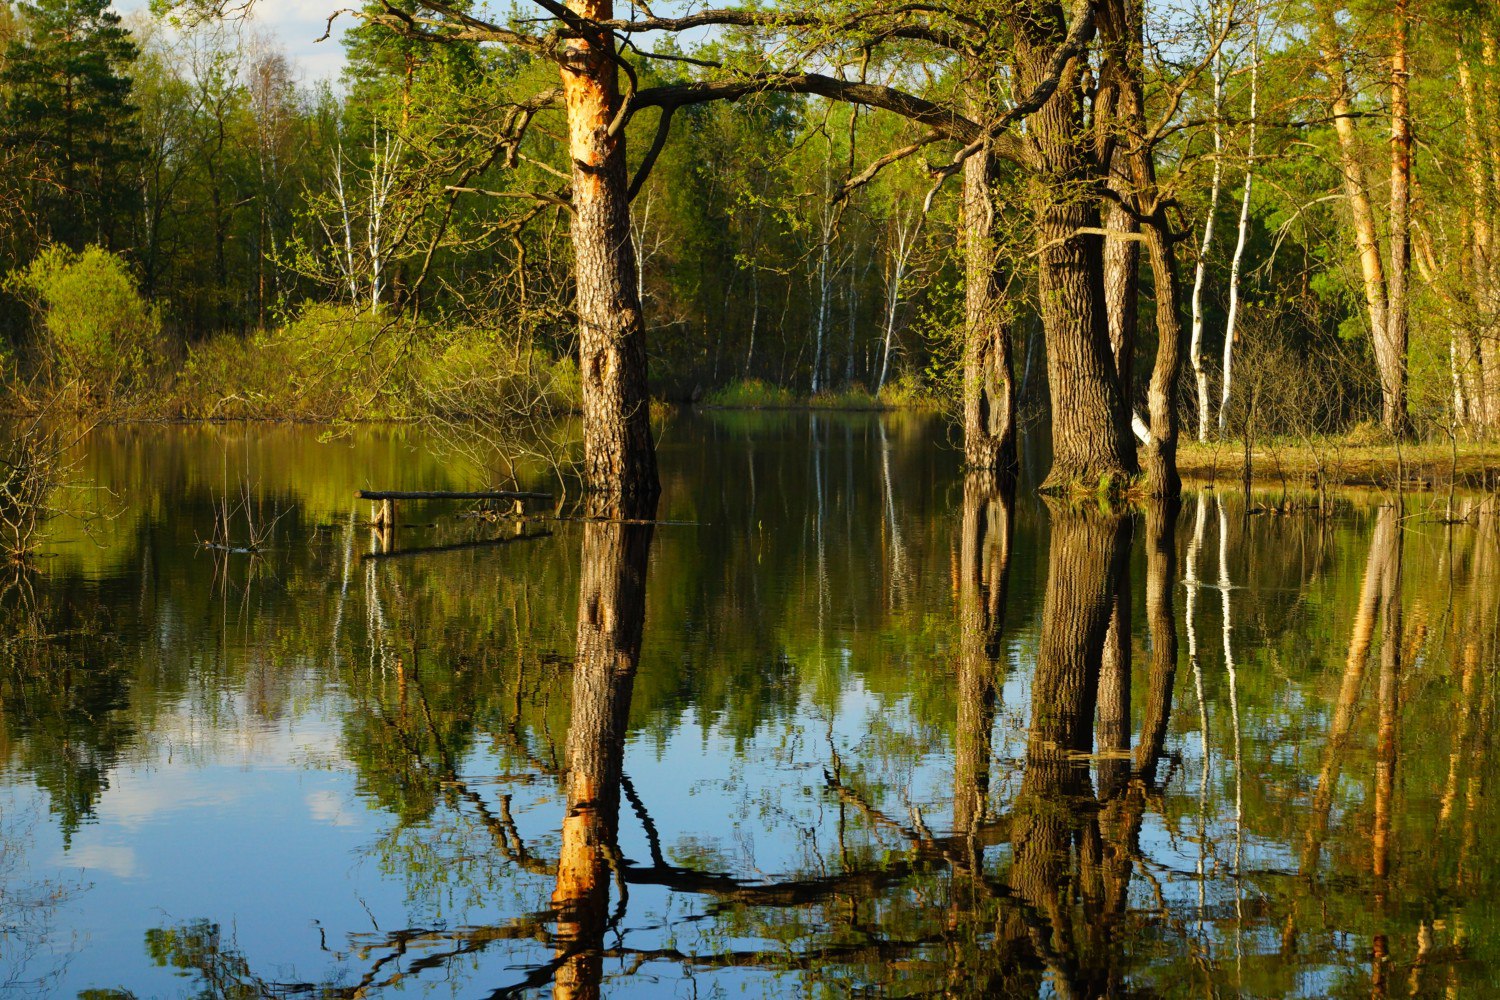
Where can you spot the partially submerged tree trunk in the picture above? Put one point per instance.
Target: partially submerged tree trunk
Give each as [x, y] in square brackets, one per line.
[989, 384]
[619, 455]
[1120, 29]
[1091, 443]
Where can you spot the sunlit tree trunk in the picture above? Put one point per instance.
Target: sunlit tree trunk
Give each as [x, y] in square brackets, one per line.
[1392, 354]
[989, 385]
[1231, 325]
[1195, 348]
[1388, 339]
[1091, 442]
[619, 455]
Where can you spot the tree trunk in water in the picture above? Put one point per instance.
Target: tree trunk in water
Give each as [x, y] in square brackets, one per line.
[1091, 442]
[611, 616]
[619, 455]
[989, 384]
[1361, 635]
[1120, 27]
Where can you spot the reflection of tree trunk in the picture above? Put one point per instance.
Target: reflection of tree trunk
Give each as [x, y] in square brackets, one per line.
[1348, 701]
[1114, 698]
[1161, 582]
[1389, 534]
[984, 566]
[611, 613]
[1087, 563]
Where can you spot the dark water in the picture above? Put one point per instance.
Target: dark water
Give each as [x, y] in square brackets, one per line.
[849, 726]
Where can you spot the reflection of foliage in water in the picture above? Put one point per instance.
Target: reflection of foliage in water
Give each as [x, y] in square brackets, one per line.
[800, 598]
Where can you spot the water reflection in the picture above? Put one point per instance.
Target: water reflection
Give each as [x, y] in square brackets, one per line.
[611, 615]
[866, 724]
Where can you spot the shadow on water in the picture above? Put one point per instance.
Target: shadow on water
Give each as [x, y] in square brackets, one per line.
[845, 720]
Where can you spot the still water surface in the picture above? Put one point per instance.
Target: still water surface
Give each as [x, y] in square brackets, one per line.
[847, 725]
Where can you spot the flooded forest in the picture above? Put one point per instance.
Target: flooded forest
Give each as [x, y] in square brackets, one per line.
[571, 499]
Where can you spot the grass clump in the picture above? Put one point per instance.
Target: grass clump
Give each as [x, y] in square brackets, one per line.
[750, 393]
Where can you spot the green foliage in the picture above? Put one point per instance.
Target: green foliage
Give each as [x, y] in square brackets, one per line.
[67, 103]
[97, 327]
[750, 393]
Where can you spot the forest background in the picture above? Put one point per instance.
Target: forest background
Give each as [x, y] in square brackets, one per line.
[190, 229]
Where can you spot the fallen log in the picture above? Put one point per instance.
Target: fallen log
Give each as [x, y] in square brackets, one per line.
[384, 512]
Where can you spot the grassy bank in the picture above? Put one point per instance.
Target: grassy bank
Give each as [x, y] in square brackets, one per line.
[1346, 462]
[907, 393]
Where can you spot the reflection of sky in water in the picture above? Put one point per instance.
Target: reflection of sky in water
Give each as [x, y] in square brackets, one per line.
[240, 801]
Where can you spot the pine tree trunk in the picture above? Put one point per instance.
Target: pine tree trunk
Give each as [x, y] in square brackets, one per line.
[619, 455]
[1390, 361]
[989, 384]
[1391, 352]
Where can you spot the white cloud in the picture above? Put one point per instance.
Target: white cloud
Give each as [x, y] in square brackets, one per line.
[295, 26]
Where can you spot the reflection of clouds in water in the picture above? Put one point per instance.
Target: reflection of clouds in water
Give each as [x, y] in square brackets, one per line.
[139, 797]
[327, 806]
[118, 860]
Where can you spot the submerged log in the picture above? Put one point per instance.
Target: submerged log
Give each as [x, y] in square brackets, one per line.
[450, 495]
[383, 511]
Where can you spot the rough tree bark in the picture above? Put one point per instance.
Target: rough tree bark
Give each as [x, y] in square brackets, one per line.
[619, 455]
[989, 382]
[1091, 442]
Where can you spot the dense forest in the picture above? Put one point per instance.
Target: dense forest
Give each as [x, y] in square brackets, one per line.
[1233, 219]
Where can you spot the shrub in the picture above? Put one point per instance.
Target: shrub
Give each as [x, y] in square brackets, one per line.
[96, 328]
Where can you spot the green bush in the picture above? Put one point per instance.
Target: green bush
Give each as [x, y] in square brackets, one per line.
[96, 328]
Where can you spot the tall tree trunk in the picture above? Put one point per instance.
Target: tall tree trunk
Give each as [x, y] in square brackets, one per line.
[1091, 442]
[1471, 401]
[989, 385]
[1357, 192]
[1232, 323]
[1392, 353]
[1120, 30]
[611, 616]
[619, 456]
[1200, 269]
